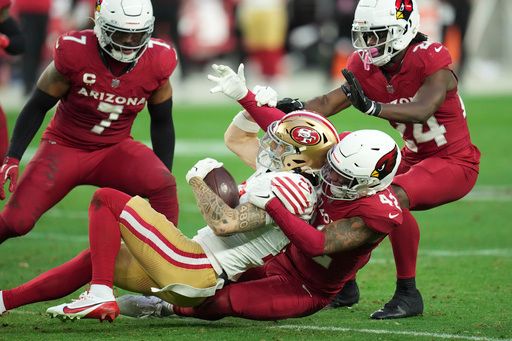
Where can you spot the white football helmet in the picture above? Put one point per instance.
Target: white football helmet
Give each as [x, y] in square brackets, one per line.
[362, 164]
[299, 141]
[124, 27]
[383, 28]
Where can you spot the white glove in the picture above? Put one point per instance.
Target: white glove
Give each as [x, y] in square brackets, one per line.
[296, 193]
[228, 82]
[265, 95]
[202, 168]
[258, 190]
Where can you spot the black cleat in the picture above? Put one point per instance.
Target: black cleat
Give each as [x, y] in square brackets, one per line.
[403, 304]
[347, 297]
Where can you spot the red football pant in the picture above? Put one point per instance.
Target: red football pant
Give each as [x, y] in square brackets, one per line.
[267, 292]
[128, 166]
[434, 182]
[430, 183]
[4, 134]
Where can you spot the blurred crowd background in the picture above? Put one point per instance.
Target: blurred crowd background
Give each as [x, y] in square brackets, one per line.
[279, 40]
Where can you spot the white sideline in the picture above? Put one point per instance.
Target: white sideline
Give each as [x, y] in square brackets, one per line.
[389, 332]
[216, 148]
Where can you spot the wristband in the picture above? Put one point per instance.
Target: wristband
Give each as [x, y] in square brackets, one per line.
[375, 109]
[246, 125]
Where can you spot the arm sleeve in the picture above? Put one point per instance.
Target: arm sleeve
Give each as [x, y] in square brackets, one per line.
[163, 138]
[17, 41]
[262, 115]
[29, 121]
[304, 236]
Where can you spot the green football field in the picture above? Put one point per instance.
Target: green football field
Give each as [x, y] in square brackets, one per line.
[465, 261]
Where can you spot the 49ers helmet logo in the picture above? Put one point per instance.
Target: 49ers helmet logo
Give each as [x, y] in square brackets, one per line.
[404, 9]
[385, 165]
[305, 135]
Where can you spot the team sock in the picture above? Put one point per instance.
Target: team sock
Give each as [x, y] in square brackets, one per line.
[2, 305]
[102, 291]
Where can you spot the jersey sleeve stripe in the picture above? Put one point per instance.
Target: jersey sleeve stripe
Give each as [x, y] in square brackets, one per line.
[294, 189]
[287, 200]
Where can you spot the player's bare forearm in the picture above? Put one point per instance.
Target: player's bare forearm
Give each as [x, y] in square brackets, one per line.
[244, 144]
[221, 218]
[425, 103]
[347, 234]
[328, 104]
[52, 82]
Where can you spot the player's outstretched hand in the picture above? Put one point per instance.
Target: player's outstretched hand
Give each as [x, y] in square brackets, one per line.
[202, 168]
[265, 95]
[355, 93]
[9, 171]
[228, 82]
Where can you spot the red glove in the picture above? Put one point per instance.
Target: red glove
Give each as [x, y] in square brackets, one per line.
[9, 170]
[4, 41]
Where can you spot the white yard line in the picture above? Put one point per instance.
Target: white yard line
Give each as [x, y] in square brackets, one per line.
[389, 332]
[343, 329]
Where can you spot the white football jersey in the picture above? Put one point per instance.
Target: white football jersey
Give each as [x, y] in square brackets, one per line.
[236, 253]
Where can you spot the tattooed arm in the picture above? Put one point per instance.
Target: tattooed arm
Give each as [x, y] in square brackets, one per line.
[221, 218]
[338, 236]
[347, 234]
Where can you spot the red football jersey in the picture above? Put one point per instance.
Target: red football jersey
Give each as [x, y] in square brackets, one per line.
[100, 108]
[327, 273]
[446, 131]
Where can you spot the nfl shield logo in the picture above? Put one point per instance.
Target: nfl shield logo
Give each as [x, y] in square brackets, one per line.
[115, 82]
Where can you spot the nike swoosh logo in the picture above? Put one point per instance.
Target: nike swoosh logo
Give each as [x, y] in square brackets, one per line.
[67, 310]
[263, 196]
[438, 49]
[393, 216]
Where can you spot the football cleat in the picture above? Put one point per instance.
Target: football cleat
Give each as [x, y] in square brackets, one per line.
[347, 297]
[401, 305]
[86, 306]
[143, 306]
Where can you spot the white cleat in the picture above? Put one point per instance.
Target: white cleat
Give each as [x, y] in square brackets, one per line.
[143, 306]
[86, 306]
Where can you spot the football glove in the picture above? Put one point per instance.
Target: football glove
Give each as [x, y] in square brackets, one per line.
[9, 170]
[228, 82]
[288, 105]
[202, 168]
[357, 97]
[265, 95]
[259, 190]
[293, 190]
[4, 41]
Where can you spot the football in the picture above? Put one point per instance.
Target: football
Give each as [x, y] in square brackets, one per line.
[223, 184]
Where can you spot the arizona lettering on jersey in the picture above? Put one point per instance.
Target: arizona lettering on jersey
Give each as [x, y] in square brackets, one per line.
[446, 131]
[100, 108]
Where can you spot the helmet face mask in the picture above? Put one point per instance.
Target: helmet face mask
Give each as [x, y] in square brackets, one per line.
[124, 28]
[383, 28]
[362, 164]
[299, 141]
